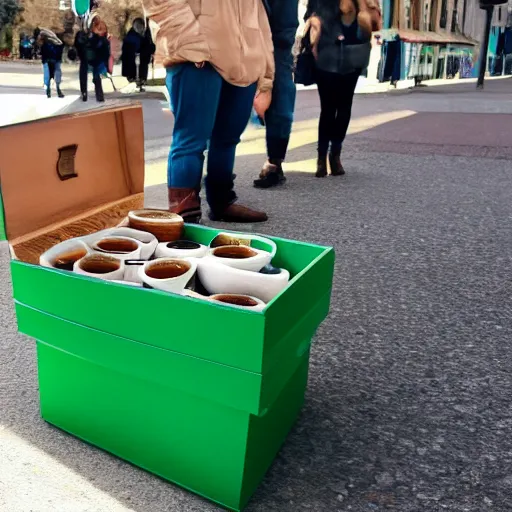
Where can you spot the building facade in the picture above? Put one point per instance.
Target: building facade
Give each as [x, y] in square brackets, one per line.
[439, 39]
[436, 39]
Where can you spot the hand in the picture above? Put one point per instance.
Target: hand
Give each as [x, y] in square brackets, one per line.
[262, 103]
[200, 65]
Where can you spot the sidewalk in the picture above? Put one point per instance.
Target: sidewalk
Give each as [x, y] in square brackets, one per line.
[70, 81]
[365, 86]
[157, 77]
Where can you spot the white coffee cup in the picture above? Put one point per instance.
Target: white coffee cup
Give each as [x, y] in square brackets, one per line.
[64, 255]
[168, 274]
[101, 266]
[240, 257]
[239, 301]
[121, 247]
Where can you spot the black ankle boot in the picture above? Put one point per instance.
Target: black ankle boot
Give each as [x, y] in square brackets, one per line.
[59, 93]
[48, 92]
[336, 165]
[84, 96]
[271, 175]
[98, 89]
[321, 167]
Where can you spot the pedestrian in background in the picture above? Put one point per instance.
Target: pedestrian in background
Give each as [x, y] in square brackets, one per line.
[93, 50]
[26, 47]
[51, 57]
[139, 42]
[283, 17]
[131, 48]
[218, 55]
[340, 34]
[147, 50]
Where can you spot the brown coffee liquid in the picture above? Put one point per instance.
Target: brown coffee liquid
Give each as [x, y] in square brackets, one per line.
[235, 252]
[166, 270]
[237, 300]
[99, 266]
[117, 245]
[66, 261]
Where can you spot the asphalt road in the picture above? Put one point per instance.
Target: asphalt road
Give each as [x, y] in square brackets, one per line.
[409, 404]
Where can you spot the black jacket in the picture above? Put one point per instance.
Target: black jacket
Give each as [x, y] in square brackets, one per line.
[51, 52]
[131, 47]
[92, 48]
[341, 50]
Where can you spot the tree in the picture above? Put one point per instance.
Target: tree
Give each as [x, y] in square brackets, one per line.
[9, 9]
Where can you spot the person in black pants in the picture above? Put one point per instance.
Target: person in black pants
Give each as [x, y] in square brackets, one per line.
[336, 97]
[131, 47]
[51, 57]
[93, 50]
[341, 46]
[147, 50]
[283, 18]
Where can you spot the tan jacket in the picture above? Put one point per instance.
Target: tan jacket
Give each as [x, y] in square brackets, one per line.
[233, 35]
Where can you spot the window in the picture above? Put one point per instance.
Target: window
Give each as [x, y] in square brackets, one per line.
[407, 8]
[444, 14]
[455, 17]
[414, 21]
[433, 16]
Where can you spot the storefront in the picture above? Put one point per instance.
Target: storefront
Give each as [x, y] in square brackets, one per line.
[418, 56]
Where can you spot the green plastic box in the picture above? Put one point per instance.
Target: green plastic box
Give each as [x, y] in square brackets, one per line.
[201, 394]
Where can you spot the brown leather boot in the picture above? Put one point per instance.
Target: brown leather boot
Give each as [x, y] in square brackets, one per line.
[321, 168]
[185, 202]
[238, 213]
[336, 165]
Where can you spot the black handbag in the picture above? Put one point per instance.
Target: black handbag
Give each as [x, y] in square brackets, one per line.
[306, 65]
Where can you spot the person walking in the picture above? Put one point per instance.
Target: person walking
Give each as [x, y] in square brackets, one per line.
[283, 17]
[131, 48]
[93, 50]
[218, 55]
[147, 50]
[51, 57]
[340, 34]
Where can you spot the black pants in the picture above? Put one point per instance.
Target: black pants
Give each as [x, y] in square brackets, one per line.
[143, 69]
[96, 78]
[336, 96]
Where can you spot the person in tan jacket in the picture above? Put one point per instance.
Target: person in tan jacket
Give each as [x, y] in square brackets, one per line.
[219, 60]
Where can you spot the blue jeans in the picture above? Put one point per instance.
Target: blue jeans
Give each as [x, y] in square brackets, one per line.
[208, 112]
[57, 73]
[279, 117]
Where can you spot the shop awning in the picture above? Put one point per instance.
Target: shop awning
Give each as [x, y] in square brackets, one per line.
[418, 36]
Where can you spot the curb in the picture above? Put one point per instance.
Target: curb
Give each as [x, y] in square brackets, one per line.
[147, 95]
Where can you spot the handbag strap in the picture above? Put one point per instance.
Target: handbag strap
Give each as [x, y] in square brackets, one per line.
[305, 43]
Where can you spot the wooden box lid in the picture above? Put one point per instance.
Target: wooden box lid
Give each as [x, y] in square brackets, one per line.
[56, 171]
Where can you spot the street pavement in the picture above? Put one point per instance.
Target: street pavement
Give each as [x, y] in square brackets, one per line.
[409, 403]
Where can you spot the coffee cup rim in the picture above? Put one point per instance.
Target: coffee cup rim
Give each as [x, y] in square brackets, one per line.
[173, 217]
[197, 245]
[149, 264]
[254, 252]
[118, 237]
[79, 245]
[99, 256]
[257, 303]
